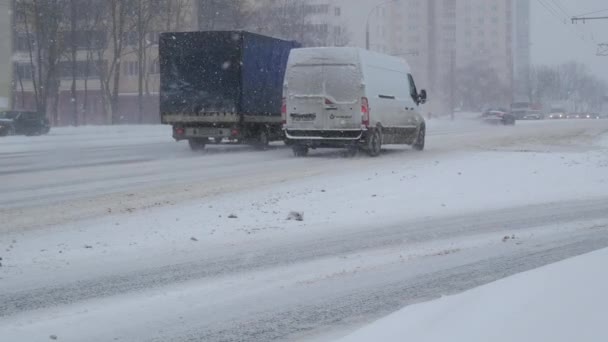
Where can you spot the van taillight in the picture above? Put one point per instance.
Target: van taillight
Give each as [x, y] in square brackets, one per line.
[364, 112]
[284, 111]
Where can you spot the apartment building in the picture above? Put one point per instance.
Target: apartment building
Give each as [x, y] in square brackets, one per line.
[95, 53]
[5, 56]
[441, 37]
[521, 49]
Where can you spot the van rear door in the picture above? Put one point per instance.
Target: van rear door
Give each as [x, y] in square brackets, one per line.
[324, 97]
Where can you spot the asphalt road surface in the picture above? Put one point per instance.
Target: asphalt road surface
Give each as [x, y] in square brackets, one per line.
[297, 287]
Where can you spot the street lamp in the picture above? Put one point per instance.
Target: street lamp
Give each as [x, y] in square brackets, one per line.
[369, 15]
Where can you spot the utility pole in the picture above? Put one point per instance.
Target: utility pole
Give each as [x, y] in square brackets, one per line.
[602, 49]
[584, 19]
[452, 81]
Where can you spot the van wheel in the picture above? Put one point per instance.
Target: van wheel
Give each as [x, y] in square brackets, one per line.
[420, 140]
[197, 144]
[300, 151]
[374, 143]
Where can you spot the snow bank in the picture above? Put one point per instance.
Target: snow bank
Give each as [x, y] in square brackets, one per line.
[88, 136]
[565, 302]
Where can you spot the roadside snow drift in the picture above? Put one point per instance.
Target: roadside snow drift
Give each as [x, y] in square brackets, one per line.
[563, 302]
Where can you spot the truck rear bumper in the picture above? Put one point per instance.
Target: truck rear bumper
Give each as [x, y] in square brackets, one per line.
[185, 133]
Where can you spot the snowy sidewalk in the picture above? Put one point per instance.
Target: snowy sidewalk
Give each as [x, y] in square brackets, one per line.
[565, 302]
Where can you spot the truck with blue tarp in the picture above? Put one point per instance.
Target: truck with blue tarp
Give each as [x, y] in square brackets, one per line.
[222, 86]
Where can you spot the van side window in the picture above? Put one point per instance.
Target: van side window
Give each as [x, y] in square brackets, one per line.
[413, 90]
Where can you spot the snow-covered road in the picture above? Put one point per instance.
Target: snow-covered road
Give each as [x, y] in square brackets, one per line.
[119, 233]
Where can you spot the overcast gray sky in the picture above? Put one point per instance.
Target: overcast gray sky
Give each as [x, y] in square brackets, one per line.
[556, 41]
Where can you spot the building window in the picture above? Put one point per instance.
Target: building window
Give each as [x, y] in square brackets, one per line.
[153, 37]
[21, 42]
[337, 11]
[130, 38]
[84, 69]
[131, 68]
[154, 68]
[23, 71]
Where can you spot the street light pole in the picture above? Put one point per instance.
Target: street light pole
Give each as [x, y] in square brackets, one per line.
[369, 15]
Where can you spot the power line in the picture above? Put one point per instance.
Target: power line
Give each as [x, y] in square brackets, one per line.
[553, 12]
[590, 13]
[550, 9]
[559, 5]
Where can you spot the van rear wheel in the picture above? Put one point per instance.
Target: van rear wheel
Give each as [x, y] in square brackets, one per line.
[374, 143]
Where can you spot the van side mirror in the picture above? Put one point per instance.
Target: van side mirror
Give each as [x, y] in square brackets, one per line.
[422, 97]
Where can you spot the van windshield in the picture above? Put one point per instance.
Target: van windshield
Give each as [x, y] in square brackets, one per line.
[339, 82]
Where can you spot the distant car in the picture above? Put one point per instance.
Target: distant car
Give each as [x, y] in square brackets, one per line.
[498, 116]
[23, 123]
[574, 116]
[593, 116]
[533, 115]
[557, 115]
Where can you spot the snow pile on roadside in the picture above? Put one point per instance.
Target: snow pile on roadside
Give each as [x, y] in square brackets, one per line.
[565, 301]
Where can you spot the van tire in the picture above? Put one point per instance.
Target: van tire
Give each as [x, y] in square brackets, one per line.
[300, 151]
[374, 142]
[420, 139]
[197, 144]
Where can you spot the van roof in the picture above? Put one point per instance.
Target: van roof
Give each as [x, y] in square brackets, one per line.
[339, 55]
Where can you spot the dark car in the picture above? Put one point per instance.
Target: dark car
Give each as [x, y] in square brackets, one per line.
[498, 116]
[533, 115]
[23, 123]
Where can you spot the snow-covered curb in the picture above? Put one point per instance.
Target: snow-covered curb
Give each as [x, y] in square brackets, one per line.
[565, 302]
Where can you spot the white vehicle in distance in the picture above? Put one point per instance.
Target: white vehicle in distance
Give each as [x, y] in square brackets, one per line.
[350, 98]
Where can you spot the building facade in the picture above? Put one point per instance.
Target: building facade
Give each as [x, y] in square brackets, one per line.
[521, 50]
[442, 39]
[6, 56]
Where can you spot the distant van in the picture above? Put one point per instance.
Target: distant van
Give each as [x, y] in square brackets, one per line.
[352, 98]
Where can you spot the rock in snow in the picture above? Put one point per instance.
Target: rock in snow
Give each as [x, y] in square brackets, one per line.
[295, 216]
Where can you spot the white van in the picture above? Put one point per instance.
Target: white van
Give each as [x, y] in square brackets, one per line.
[350, 97]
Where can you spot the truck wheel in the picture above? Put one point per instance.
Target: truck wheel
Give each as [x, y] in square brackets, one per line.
[197, 144]
[374, 143]
[300, 151]
[420, 140]
[263, 141]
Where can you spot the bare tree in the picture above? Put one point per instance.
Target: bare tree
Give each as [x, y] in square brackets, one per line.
[569, 84]
[295, 20]
[116, 24]
[42, 23]
[222, 14]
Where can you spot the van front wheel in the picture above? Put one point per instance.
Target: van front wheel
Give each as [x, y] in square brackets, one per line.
[374, 143]
[420, 140]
